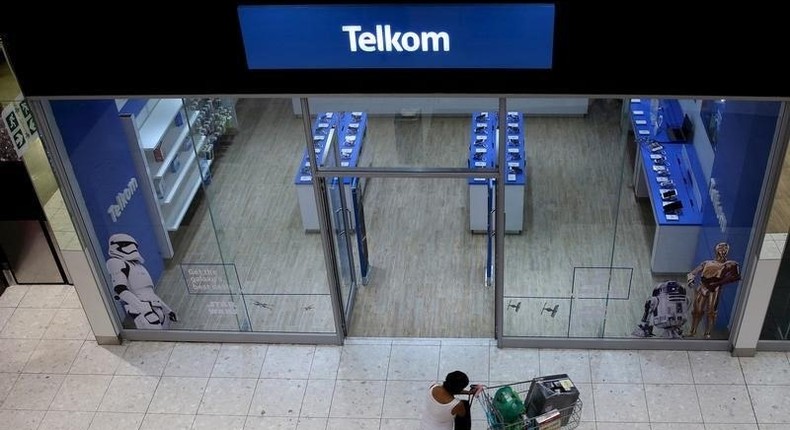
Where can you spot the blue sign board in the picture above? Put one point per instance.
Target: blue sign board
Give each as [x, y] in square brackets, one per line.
[461, 36]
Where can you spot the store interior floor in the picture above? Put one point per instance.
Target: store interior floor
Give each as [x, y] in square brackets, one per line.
[585, 235]
[53, 376]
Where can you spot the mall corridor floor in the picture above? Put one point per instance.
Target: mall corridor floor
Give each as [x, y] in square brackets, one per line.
[54, 376]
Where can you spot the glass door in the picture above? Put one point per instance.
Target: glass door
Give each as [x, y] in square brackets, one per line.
[339, 196]
[409, 162]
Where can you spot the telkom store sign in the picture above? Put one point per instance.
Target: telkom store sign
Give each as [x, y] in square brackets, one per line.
[499, 36]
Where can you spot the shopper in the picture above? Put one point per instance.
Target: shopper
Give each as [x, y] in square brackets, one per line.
[442, 410]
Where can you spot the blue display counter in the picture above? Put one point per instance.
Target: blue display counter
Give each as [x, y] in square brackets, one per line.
[485, 138]
[666, 172]
[341, 131]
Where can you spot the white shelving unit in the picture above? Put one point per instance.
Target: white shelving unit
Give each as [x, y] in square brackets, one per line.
[165, 156]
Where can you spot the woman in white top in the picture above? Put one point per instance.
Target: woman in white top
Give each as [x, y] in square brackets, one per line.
[441, 407]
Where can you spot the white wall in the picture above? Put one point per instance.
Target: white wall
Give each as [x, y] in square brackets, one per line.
[444, 105]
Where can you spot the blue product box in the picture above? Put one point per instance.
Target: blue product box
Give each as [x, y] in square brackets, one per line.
[175, 165]
[179, 120]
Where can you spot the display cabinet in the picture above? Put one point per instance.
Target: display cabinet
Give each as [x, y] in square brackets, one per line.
[667, 171]
[172, 142]
[346, 129]
[486, 137]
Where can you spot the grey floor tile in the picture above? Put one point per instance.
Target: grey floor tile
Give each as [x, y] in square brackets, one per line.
[357, 399]
[288, 361]
[145, 359]
[116, 421]
[715, 367]
[368, 362]
[313, 423]
[27, 324]
[766, 368]
[413, 362]
[402, 400]
[574, 363]
[219, 422]
[615, 367]
[771, 404]
[588, 402]
[738, 427]
[129, 394]
[53, 356]
[68, 324]
[270, 423]
[169, 421]
[33, 391]
[665, 367]
[95, 359]
[71, 300]
[326, 362]
[622, 426]
[178, 395]
[44, 296]
[664, 406]
[228, 396]
[16, 353]
[13, 295]
[472, 360]
[66, 420]
[513, 364]
[5, 314]
[317, 398]
[725, 404]
[399, 423]
[22, 420]
[620, 403]
[239, 361]
[192, 359]
[7, 381]
[674, 426]
[352, 424]
[278, 397]
[81, 393]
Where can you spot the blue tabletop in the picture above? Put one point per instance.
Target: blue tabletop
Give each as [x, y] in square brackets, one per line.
[484, 143]
[669, 165]
[671, 113]
[350, 128]
[677, 161]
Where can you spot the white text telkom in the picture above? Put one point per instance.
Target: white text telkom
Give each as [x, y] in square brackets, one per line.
[385, 40]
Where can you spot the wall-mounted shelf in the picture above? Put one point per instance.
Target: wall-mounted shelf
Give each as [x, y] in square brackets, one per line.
[173, 147]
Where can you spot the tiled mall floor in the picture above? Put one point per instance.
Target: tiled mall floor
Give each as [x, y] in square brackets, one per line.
[53, 376]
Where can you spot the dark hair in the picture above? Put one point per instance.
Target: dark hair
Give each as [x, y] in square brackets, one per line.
[455, 382]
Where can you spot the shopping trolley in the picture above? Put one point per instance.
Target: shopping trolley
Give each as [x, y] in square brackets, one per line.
[539, 396]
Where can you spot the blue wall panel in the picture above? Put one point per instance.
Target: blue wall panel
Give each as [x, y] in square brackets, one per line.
[99, 153]
[744, 142]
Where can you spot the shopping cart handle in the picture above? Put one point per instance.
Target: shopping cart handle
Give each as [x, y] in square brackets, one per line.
[476, 389]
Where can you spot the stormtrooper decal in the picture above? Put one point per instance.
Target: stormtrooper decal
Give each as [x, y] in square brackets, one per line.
[133, 285]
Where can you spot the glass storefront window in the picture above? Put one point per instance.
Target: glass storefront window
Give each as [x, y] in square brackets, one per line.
[616, 210]
[777, 319]
[637, 218]
[187, 202]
